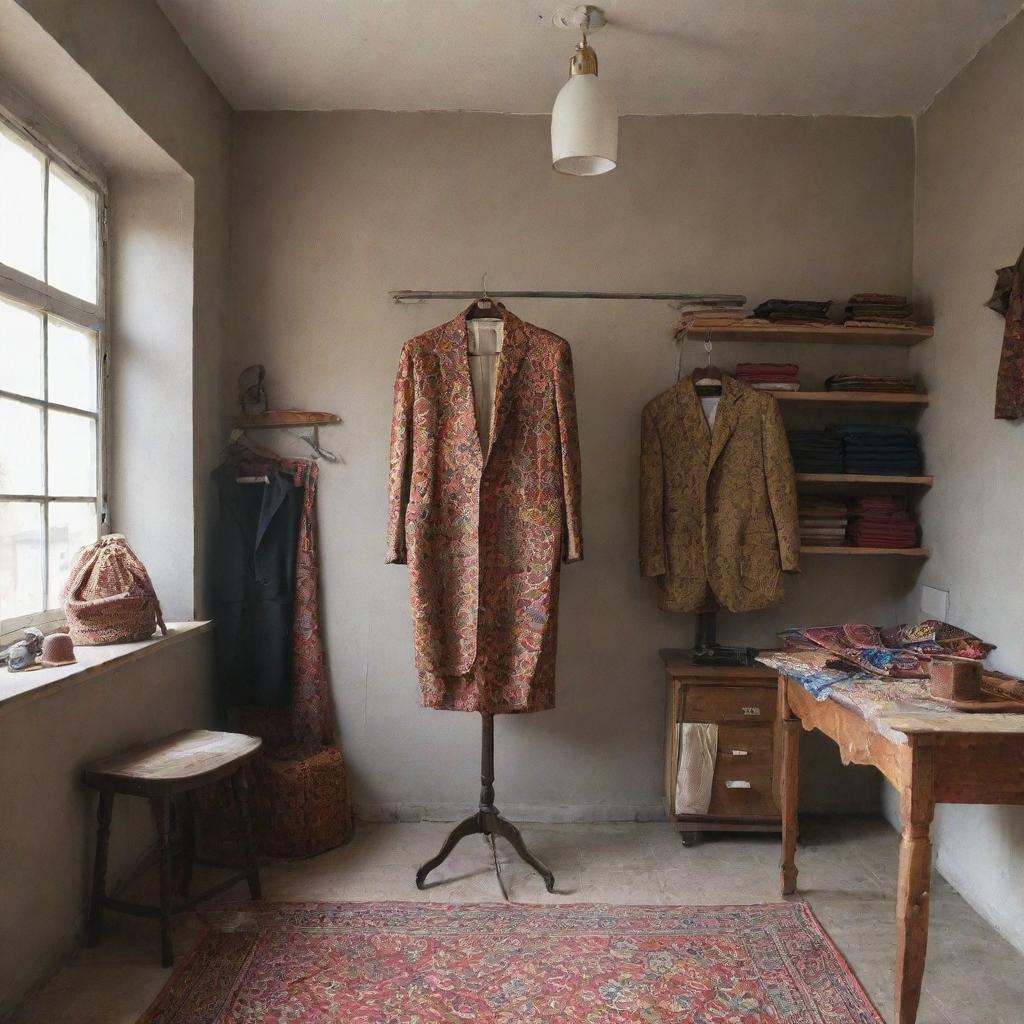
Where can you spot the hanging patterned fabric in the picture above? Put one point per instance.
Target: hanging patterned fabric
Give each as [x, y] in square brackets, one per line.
[1010, 381]
[302, 804]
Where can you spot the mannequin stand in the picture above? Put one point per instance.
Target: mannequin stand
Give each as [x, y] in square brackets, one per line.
[487, 822]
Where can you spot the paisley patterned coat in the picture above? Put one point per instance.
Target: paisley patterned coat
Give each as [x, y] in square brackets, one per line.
[484, 538]
[718, 511]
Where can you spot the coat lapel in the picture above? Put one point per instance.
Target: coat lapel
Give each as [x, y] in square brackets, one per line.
[513, 347]
[691, 416]
[725, 419]
[457, 345]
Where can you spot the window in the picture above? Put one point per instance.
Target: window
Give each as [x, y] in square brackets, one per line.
[51, 372]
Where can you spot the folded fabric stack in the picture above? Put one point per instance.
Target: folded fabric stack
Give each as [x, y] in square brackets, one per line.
[876, 309]
[816, 451]
[769, 376]
[823, 523]
[867, 382]
[880, 450]
[883, 521]
[709, 315]
[798, 312]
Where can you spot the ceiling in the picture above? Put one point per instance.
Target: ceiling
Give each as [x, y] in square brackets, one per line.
[873, 57]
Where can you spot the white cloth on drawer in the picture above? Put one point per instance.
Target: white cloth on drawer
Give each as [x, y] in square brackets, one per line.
[698, 749]
[485, 338]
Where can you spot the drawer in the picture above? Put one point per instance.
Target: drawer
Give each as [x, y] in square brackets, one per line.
[742, 793]
[729, 704]
[744, 747]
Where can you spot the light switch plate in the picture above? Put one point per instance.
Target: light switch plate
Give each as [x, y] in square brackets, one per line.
[934, 603]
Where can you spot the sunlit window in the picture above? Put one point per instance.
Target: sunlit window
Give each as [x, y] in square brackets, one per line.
[51, 372]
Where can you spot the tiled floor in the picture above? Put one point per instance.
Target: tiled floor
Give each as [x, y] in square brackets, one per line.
[847, 872]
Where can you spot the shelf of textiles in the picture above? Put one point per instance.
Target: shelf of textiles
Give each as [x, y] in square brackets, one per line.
[870, 318]
[876, 524]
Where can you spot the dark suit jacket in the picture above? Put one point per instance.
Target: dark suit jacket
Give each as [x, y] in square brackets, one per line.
[255, 541]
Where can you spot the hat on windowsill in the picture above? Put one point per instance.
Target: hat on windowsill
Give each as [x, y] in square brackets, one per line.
[57, 650]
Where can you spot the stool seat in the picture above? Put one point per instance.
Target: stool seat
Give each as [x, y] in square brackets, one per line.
[184, 760]
[170, 768]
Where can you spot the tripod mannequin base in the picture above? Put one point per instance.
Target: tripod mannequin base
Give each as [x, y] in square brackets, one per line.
[487, 822]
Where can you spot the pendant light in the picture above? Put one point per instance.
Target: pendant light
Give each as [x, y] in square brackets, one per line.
[585, 117]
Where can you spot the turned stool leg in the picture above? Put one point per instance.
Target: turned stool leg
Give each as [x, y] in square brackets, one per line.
[188, 822]
[99, 868]
[161, 806]
[240, 787]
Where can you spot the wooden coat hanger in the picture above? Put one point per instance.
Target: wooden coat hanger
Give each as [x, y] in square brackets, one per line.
[707, 379]
[484, 308]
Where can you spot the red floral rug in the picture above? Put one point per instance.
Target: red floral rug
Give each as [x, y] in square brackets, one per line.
[422, 963]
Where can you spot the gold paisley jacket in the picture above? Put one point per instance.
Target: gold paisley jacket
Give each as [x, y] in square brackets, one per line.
[718, 511]
[485, 538]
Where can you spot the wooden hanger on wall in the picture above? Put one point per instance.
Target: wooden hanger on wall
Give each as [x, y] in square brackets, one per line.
[485, 308]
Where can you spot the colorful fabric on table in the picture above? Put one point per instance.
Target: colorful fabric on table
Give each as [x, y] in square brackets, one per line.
[817, 671]
[862, 645]
[933, 636]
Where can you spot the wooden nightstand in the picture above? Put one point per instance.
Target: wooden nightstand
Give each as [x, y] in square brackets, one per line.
[742, 703]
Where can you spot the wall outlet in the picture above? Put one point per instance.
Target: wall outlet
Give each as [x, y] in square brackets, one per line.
[934, 603]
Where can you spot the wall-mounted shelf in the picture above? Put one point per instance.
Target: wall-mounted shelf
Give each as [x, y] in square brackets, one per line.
[273, 418]
[851, 397]
[864, 478]
[827, 334]
[810, 549]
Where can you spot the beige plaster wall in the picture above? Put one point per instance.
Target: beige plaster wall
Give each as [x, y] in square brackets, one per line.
[331, 211]
[131, 51]
[970, 220]
[49, 817]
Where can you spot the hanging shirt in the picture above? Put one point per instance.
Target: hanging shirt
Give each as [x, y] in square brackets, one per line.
[709, 403]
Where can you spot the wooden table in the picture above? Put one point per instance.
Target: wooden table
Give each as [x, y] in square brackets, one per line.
[174, 766]
[930, 755]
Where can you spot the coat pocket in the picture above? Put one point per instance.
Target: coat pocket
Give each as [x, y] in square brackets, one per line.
[759, 560]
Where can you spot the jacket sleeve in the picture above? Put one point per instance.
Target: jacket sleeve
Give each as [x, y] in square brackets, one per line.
[652, 494]
[399, 475]
[778, 468]
[569, 445]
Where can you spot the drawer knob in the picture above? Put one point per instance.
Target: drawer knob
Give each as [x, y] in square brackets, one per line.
[751, 712]
[737, 784]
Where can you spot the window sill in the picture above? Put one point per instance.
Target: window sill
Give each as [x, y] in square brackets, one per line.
[20, 687]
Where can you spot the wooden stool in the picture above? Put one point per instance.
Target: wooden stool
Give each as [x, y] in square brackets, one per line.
[159, 772]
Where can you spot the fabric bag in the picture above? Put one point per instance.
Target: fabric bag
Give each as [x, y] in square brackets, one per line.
[109, 597]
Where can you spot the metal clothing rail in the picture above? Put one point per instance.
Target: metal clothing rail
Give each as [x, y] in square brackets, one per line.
[407, 296]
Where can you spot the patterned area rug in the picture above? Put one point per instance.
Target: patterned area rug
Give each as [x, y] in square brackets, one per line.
[421, 963]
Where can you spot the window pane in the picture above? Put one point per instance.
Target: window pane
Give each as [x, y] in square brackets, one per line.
[21, 350]
[72, 526]
[21, 558]
[71, 250]
[21, 448]
[71, 365]
[22, 170]
[71, 465]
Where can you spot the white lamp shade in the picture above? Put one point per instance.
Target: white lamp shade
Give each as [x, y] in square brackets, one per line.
[584, 127]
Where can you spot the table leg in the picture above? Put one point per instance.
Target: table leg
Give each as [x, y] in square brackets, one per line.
[789, 792]
[912, 893]
[161, 806]
[99, 867]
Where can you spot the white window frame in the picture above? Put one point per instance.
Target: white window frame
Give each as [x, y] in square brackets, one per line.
[44, 298]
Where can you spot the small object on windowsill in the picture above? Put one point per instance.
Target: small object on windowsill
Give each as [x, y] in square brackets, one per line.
[24, 654]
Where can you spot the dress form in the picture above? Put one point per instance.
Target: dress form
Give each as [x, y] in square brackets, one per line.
[484, 337]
